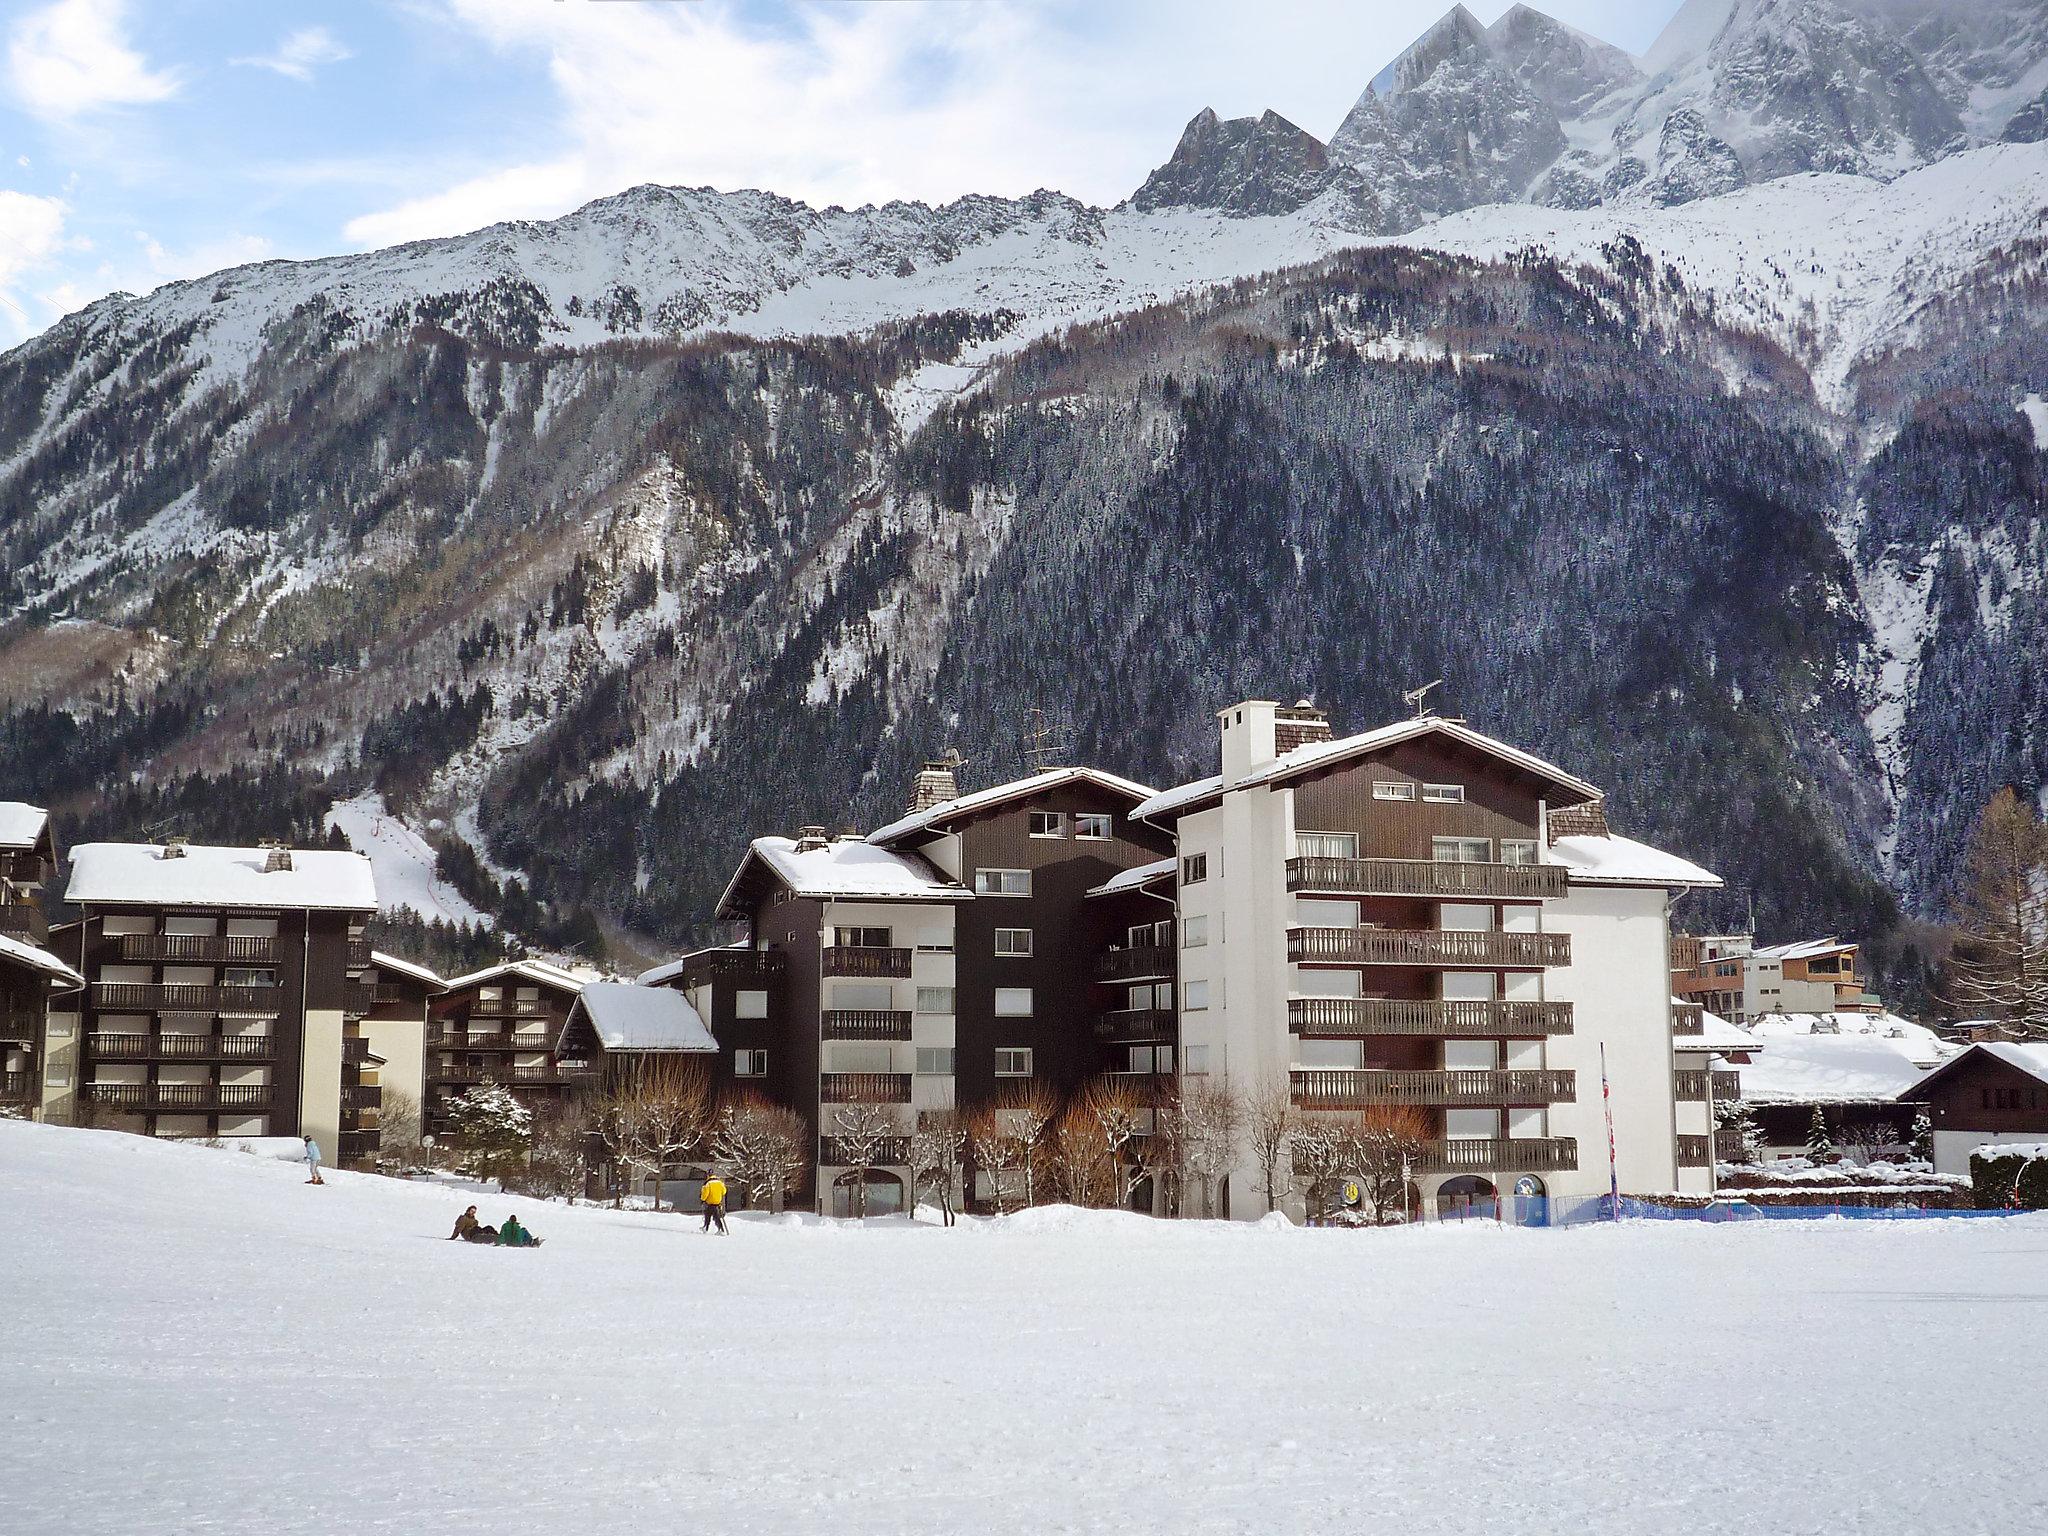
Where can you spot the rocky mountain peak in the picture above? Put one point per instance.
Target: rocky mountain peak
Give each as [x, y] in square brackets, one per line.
[1244, 166]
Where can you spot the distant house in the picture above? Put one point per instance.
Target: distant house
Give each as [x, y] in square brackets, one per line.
[617, 1025]
[1989, 1094]
[1856, 1081]
[1729, 974]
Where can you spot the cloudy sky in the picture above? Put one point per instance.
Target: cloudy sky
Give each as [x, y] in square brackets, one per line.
[147, 140]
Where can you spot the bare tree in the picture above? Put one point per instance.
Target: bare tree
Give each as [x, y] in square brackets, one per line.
[656, 1111]
[1025, 1110]
[861, 1137]
[1210, 1121]
[764, 1146]
[398, 1127]
[1270, 1120]
[1092, 1139]
[936, 1148]
[1998, 969]
[559, 1162]
[1386, 1146]
[1318, 1147]
[993, 1147]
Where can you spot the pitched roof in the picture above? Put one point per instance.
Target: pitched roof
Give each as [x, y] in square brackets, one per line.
[1828, 1069]
[21, 825]
[1139, 875]
[629, 1017]
[420, 973]
[319, 879]
[1615, 860]
[1916, 1042]
[1317, 755]
[654, 976]
[846, 868]
[1805, 949]
[38, 959]
[982, 799]
[2026, 1056]
[542, 971]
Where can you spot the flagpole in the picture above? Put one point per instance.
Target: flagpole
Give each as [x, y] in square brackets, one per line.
[1607, 1104]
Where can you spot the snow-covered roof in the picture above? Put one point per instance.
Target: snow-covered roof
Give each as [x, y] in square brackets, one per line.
[1828, 1069]
[542, 971]
[21, 825]
[1615, 860]
[1916, 1042]
[420, 973]
[139, 873]
[39, 959]
[845, 868]
[982, 799]
[1717, 1034]
[1131, 879]
[629, 1017]
[1806, 949]
[654, 976]
[2028, 1057]
[1324, 754]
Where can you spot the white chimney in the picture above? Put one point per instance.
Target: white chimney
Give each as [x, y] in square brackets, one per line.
[1247, 736]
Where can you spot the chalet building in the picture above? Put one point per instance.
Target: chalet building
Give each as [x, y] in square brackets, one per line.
[30, 974]
[1423, 915]
[501, 1025]
[1989, 1095]
[28, 862]
[1728, 974]
[616, 1032]
[401, 996]
[226, 990]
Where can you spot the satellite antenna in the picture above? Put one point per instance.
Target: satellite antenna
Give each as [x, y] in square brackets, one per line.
[1040, 731]
[1414, 697]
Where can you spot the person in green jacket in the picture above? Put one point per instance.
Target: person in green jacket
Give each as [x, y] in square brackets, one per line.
[513, 1235]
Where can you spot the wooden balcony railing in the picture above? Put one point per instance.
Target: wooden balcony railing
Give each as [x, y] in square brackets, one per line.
[1695, 1151]
[116, 1047]
[508, 1007]
[1688, 1019]
[1728, 1147]
[358, 998]
[1326, 1088]
[1427, 947]
[864, 1024]
[358, 1146]
[355, 1050]
[1136, 962]
[117, 1095]
[1427, 877]
[486, 1040]
[1341, 1016]
[180, 1096]
[362, 1096]
[204, 949]
[13, 1087]
[358, 952]
[864, 1088]
[24, 920]
[1514, 1154]
[1692, 1087]
[1136, 1026]
[856, 960]
[735, 965]
[894, 1152]
[181, 997]
[21, 1025]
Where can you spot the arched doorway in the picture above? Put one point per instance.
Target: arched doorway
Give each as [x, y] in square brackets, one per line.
[1467, 1196]
[1529, 1202]
[884, 1193]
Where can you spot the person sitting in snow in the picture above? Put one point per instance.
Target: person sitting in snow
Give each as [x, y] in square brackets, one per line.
[513, 1235]
[465, 1225]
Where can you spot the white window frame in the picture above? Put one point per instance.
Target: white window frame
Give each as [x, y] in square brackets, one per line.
[1194, 1060]
[1013, 1061]
[1011, 994]
[935, 941]
[929, 1058]
[1464, 845]
[750, 1061]
[750, 1003]
[1345, 841]
[1055, 820]
[1002, 882]
[1524, 851]
[1094, 818]
[1194, 931]
[1194, 995]
[1392, 789]
[1013, 953]
[927, 996]
[1444, 794]
[1194, 868]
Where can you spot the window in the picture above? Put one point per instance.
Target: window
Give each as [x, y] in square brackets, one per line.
[1326, 845]
[1013, 941]
[1013, 1061]
[1194, 868]
[862, 1058]
[241, 976]
[1392, 789]
[861, 938]
[934, 999]
[750, 1005]
[1514, 850]
[1157, 935]
[1095, 826]
[1197, 994]
[1194, 1059]
[1002, 882]
[1444, 794]
[1194, 932]
[1048, 824]
[749, 1063]
[863, 996]
[1460, 850]
[935, 1061]
[1013, 1002]
[935, 941]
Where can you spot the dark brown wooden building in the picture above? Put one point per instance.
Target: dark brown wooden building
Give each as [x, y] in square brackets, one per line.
[500, 1025]
[1994, 1092]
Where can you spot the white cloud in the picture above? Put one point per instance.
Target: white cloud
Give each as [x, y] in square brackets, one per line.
[31, 233]
[72, 58]
[300, 54]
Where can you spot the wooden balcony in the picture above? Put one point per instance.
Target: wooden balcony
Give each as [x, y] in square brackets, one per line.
[734, 965]
[1136, 1026]
[1427, 947]
[1692, 1087]
[1136, 962]
[486, 1040]
[1337, 1088]
[508, 1007]
[25, 921]
[1728, 1146]
[362, 1096]
[180, 997]
[24, 1026]
[358, 998]
[864, 1088]
[180, 1097]
[358, 952]
[1695, 1151]
[856, 960]
[1428, 878]
[893, 1153]
[864, 1024]
[201, 949]
[14, 1088]
[1688, 1019]
[1362, 1016]
[1514, 1154]
[358, 1146]
[356, 1050]
[111, 1047]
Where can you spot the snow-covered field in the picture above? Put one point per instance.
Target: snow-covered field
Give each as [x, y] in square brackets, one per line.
[195, 1341]
[403, 862]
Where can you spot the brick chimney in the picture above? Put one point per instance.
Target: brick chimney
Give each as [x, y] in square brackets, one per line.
[810, 839]
[277, 858]
[1298, 725]
[936, 783]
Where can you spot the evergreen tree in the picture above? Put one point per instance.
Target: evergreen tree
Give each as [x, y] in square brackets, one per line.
[1999, 967]
[493, 1127]
[1820, 1147]
[1923, 1138]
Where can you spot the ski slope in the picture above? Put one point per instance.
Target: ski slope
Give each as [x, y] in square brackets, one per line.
[199, 1342]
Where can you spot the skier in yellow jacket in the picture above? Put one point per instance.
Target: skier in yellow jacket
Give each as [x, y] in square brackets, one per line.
[712, 1193]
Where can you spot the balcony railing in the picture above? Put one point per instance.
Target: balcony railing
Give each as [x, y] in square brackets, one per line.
[358, 998]
[508, 1007]
[1688, 1019]
[180, 1096]
[13, 1087]
[894, 1152]
[358, 952]
[1136, 962]
[1514, 1154]
[1728, 1147]
[1136, 1026]
[1695, 1151]
[362, 1096]
[355, 1050]
[1326, 1088]
[1427, 947]
[1692, 1087]
[735, 965]
[181, 997]
[486, 1040]
[24, 920]
[1341, 1016]
[205, 949]
[21, 1025]
[864, 1088]
[1426, 877]
[858, 960]
[864, 1024]
[114, 1047]
[358, 1146]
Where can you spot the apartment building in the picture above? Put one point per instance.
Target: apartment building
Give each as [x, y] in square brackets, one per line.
[30, 975]
[500, 1024]
[1730, 975]
[226, 989]
[401, 997]
[1412, 916]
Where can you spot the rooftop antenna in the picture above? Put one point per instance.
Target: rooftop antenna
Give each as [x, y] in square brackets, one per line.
[1414, 698]
[1040, 730]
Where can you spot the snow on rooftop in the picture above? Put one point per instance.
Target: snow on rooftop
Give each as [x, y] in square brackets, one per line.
[1613, 860]
[1717, 1034]
[981, 799]
[849, 867]
[668, 970]
[1916, 1042]
[393, 963]
[1828, 1069]
[630, 1017]
[38, 959]
[21, 825]
[1131, 879]
[1803, 949]
[203, 876]
[545, 972]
